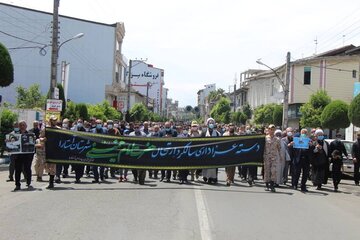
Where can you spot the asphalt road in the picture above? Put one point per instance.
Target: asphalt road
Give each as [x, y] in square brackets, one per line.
[160, 210]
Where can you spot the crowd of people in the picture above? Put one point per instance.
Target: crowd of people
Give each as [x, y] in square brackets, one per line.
[281, 158]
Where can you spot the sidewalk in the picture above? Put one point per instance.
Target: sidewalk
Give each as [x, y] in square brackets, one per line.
[4, 164]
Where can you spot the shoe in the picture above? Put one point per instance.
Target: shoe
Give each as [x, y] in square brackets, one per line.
[294, 187]
[51, 186]
[125, 179]
[304, 190]
[135, 180]
[205, 179]
[58, 180]
[95, 181]
[318, 188]
[181, 182]
[17, 188]
[77, 181]
[120, 179]
[250, 183]
[102, 178]
[39, 179]
[65, 175]
[228, 184]
[10, 180]
[168, 180]
[161, 179]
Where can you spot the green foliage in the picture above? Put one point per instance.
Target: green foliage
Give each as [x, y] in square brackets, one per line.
[7, 120]
[221, 111]
[335, 115]
[82, 111]
[214, 96]
[354, 111]
[247, 110]
[70, 111]
[311, 111]
[268, 114]
[278, 115]
[30, 98]
[139, 112]
[6, 67]
[104, 111]
[239, 117]
[62, 97]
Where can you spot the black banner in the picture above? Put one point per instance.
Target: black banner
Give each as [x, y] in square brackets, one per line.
[64, 146]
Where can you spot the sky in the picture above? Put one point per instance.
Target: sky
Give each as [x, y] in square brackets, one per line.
[199, 42]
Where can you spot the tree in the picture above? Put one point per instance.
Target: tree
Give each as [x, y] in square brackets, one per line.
[71, 112]
[6, 67]
[278, 115]
[335, 115]
[354, 111]
[30, 98]
[221, 111]
[139, 112]
[82, 111]
[7, 120]
[103, 111]
[268, 114]
[239, 117]
[247, 110]
[62, 97]
[311, 111]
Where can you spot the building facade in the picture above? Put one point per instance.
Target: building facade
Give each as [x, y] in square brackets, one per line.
[93, 61]
[202, 102]
[334, 71]
[148, 81]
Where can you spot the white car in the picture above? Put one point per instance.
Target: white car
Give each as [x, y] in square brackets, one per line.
[348, 164]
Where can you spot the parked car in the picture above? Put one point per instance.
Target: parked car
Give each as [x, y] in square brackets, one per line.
[348, 164]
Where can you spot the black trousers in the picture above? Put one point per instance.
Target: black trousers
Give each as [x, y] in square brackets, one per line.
[141, 174]
[183, 175]
[356, 172]
[23, 164]
[336, 174]
[79, 170]
[12, 166]
[166, 174]
[304, 167]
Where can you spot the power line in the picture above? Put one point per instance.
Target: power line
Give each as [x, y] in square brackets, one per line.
[26, 40]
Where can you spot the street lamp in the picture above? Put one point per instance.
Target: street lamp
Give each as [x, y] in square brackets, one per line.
[54, 58]
[285, 87]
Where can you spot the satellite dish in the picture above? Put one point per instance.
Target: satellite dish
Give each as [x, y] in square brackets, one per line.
[196, 109]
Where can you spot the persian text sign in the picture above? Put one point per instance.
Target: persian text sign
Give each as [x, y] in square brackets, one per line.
[64, 146]
[53, 105]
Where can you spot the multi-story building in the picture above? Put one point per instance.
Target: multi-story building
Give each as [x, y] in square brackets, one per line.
[95, 60]
[202, 98]
[148, 81]
[334, 71]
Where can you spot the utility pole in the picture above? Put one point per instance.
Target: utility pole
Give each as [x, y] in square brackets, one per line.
[286, 92]
[235, 93]
[148, 85]
[54, 49]
[128, 92]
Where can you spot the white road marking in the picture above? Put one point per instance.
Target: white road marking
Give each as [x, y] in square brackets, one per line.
[204, 223]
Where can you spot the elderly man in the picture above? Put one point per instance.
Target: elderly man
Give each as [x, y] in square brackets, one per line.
[23, 161]
[320, 162]
[210, 175]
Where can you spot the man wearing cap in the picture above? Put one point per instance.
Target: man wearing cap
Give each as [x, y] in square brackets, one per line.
[272, 156]
[355, 152]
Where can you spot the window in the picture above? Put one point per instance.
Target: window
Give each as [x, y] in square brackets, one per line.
[307, 75]
[354, 73]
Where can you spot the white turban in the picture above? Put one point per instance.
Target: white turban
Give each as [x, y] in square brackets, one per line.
[319, 131]
[278, 131]
[209, 119]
